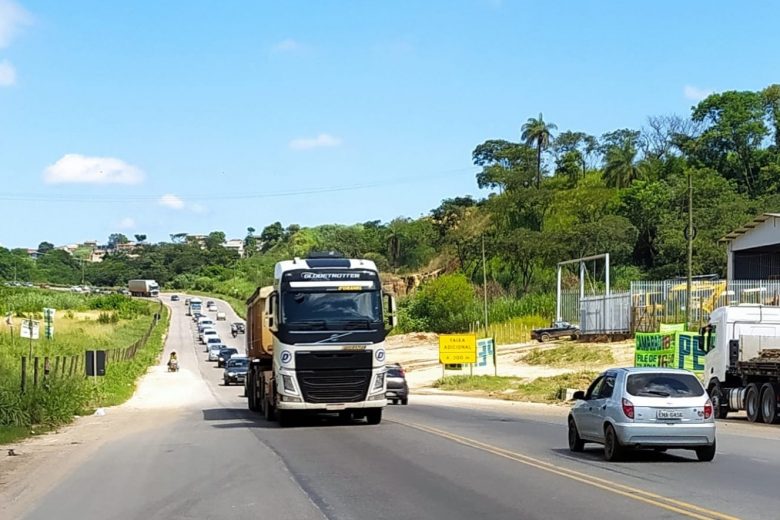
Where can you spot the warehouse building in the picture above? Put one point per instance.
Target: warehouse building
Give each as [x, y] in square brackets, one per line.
[754, 249]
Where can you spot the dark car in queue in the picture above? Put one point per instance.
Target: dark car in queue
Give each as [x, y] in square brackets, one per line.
[397, 389]
[225, 354]
[235, 370]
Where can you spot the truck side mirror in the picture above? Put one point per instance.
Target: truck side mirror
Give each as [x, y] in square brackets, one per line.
[390, 310]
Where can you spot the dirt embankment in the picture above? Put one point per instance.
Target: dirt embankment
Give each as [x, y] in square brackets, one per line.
[418, 353]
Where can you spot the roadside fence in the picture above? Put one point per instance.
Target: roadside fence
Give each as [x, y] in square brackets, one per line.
[36, 370]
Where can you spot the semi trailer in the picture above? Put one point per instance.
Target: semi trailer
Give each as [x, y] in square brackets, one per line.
[315, 340]
[147, 288]
[742, 361]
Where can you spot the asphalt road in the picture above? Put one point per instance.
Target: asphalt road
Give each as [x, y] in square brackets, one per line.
[440, 457]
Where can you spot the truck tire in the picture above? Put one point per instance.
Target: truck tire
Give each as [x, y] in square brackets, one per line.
[374, 415]
[753, 403]
[284, 417]
[251, 393]
[720, 405]
[769, 403]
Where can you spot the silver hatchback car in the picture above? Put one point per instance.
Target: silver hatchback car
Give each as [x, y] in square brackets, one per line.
[635, 408]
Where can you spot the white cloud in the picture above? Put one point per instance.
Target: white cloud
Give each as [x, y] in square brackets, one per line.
[696, 93]
[76, 168]
[170, 200]
[12, 18]
[321, 141]
[127, 223]
[7, 74]
[287, 45]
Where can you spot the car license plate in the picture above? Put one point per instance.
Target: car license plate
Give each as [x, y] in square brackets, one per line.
[391, 394]
[669, 414]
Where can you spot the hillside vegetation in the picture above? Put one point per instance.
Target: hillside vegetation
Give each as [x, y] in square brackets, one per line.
[553, 194]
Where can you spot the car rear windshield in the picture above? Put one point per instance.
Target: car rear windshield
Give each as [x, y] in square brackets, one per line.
[664, 385]
[238, 363]
[394, 372]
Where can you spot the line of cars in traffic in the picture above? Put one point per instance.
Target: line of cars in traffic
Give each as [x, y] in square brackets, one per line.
[235, 366]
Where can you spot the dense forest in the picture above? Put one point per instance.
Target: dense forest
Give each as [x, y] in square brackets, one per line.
[553, 195]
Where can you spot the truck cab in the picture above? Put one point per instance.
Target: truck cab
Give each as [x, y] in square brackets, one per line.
[733, 337]
[328, 319]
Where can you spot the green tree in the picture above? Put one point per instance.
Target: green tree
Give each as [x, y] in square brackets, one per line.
[620, 168]
[538, 133]
[45, 247]
[115, 239]
[214, 240]
[270, 236]
[140, 238]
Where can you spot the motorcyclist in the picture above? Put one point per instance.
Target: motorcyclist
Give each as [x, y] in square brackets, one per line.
[173, 361]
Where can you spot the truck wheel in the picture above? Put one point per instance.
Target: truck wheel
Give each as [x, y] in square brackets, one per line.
[544, 338]
[706, 453]
[374, 415]
[769, 403]
[269, 412]
[285, 418]
[720, 405]
[753, 403]
[251, 394]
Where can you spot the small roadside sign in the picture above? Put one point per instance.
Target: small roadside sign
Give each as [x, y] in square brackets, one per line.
[30, 329]
[457, 348]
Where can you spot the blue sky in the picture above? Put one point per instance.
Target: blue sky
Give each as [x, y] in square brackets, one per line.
[193, 116]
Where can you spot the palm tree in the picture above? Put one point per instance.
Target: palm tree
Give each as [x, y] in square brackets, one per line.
[538, 133]
[620, 168]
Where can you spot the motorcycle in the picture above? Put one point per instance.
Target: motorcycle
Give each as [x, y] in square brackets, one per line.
[234, 332]
[173, 366]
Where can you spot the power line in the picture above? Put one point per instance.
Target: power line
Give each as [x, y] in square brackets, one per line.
[29, 197]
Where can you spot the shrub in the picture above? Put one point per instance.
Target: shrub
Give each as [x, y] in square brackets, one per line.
[446, 304]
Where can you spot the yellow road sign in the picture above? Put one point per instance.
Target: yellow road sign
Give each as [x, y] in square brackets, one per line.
[457, 348]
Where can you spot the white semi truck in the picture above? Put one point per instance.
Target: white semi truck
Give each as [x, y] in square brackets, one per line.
[742, 362]
[147, 288]
[315, 340]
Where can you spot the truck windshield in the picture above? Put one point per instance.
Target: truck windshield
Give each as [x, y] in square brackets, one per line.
[331, 310]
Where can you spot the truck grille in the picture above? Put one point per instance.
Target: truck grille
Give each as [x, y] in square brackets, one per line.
[334, 386]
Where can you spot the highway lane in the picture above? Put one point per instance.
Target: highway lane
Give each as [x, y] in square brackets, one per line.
[439, 457]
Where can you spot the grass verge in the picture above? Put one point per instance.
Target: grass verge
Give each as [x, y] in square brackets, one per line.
[570, 356]
[540, 390]
[55, 402]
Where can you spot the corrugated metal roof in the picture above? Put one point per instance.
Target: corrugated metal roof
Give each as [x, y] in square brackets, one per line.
[748, 227]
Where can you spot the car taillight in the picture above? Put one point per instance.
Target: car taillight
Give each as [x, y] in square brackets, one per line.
[628, 408]
[708, 409]
[402, 372]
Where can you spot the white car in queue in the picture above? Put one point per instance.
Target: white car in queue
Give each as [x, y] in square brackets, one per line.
[207, 333]
[214, 348]
[643, 408]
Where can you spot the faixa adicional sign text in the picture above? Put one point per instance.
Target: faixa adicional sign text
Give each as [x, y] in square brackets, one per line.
[330, 276]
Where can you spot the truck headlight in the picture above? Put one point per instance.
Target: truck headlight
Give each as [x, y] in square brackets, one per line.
[289, 384]
[379, 383]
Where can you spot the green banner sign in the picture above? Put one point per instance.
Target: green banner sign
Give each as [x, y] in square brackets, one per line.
[654, 350]
[673, 350]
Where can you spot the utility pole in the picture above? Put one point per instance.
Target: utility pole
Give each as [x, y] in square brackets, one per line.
[484, 283]
[689, 235]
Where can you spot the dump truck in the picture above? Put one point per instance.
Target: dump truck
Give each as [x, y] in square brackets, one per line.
[316, 340]
[742, 361]
[147, 288]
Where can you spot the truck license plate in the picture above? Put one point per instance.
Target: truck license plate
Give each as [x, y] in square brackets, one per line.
[669, 414]
[335, 406]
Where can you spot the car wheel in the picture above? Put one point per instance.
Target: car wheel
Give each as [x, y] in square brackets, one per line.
[613, 451]
[753, 403]
[720, 406]
[227, 383]
[405, 401]
[394, 401]
[576, 444]
[769, 403]
[544, 338]
[706, 453]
